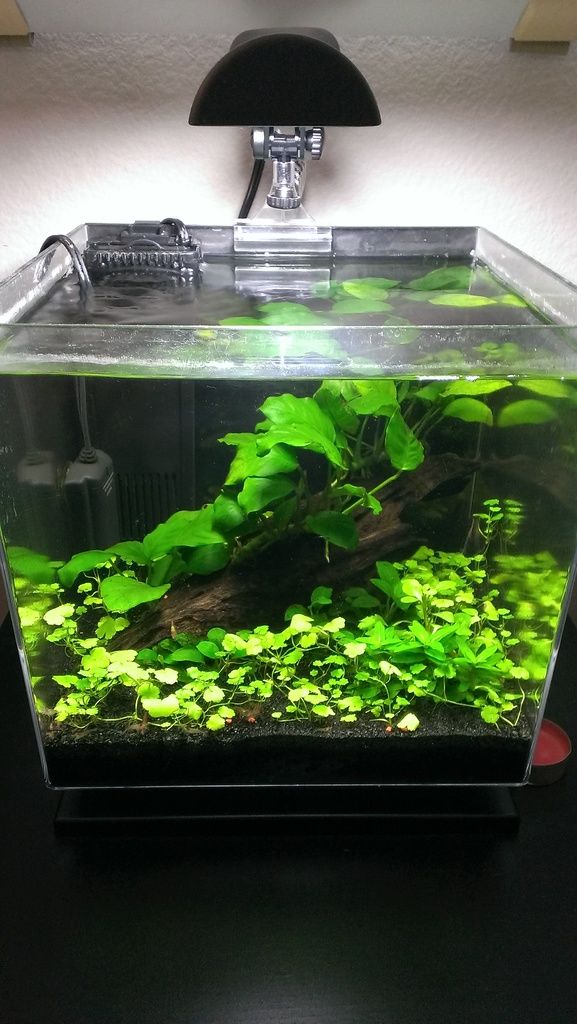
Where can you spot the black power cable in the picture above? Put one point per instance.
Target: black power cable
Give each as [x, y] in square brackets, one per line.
[254, 182]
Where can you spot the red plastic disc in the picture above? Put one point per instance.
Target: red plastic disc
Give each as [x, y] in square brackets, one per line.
[553, 744]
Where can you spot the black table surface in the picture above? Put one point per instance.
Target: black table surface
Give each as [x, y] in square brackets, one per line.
[285, 929]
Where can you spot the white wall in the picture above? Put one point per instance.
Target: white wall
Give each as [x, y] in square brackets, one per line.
[95, 128]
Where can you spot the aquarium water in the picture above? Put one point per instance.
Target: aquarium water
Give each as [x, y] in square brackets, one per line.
[301, 538]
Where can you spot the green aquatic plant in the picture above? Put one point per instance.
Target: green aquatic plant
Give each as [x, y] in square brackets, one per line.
[362, 434]
[433, 629]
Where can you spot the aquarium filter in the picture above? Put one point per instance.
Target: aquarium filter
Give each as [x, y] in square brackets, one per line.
[145, 248]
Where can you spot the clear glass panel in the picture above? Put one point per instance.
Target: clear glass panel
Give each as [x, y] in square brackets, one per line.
[291, 523]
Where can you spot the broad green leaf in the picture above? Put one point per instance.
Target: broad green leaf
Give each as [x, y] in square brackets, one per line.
[209, 649]
[464, 300]
[67, 681]
[148, 690]
[301, 623]
[336, 527]
[121, 593]
[108, 626]
[403, 448]
[300, 423]
[475, 387]
[56, 616]
[356, 307]
[34, 567]
[550, 387]
[335, 625]
[376, 398]
[83, 562]
[213, 694]
[333, 403]
[248, 461]
[471, 410]
[526, 411]
[490, 714]
[389, 579]
[193, 710]
[260, 492]
[227, 513]
[289, 314]
[189, 655]
[131, 552]
[510, 299]
[208, 559]
[444, 277]
[161, 708]
[407, 333]
[322, 710]
[354, 650]
[430, 392]
[169, 676]
[368, 287]
[215, 723]
[321, 596]
[182, 530]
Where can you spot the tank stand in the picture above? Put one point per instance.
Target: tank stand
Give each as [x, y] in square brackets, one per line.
[390, 810]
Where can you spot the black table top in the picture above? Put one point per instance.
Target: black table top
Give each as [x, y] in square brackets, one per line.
[284, 929]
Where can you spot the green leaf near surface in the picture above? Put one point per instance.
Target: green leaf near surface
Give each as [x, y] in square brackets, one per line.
[368, 287]
[335, 527]
[471, 410]
[525, 412]
[464, 301]
[289, 314]
[240, 321]
[183, 529]
[403, 448]
[332, 401]
[356, 307]
[475, 387]
[549, 388]
[121, 593]
[375, 398]
[397, 330]
[444, 277]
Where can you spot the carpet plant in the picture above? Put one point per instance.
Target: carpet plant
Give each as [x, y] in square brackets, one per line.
[439, 627]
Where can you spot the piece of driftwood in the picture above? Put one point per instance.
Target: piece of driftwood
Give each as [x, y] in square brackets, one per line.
[260, 588]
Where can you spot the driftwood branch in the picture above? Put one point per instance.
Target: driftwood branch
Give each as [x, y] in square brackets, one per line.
[259, 589]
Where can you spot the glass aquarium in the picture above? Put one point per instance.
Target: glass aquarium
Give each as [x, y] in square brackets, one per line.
[287, 520]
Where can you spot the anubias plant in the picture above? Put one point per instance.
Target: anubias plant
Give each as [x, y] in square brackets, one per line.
[313, 465]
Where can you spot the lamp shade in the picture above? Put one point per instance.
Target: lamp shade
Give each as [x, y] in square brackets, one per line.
[285, 78]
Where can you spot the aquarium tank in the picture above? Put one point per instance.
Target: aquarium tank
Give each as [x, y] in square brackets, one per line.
[287, 520]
